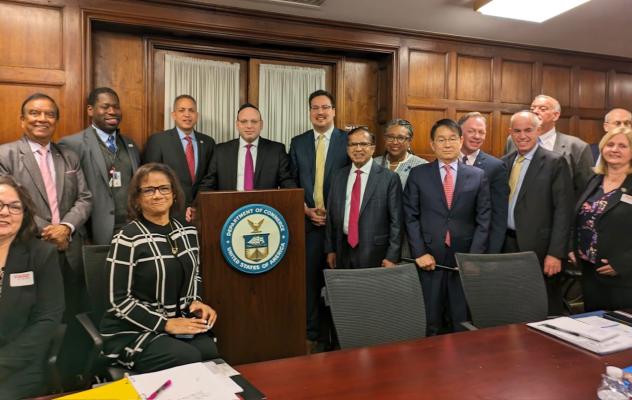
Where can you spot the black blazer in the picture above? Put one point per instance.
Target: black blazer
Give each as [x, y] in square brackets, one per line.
[498, 178]
[272, 169]
[30, 314]
[544, 206]
[166, 147]
[613, 227]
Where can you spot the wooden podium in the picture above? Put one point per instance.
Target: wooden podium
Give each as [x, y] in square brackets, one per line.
[260, 316]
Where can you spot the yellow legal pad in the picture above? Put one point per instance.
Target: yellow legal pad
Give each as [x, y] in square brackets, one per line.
[119, 390]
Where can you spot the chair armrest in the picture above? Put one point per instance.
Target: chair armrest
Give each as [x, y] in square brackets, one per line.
[469, 326]
[91, 330]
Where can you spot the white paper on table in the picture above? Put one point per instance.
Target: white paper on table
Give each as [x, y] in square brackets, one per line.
[188, 382]
[223, 369]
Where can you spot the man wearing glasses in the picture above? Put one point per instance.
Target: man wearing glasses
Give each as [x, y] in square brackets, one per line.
[615, 118]
[364, 214]
[447, 211]
[314, 156]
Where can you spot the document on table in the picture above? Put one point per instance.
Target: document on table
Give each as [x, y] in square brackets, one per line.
[595, 334]
[188, 382]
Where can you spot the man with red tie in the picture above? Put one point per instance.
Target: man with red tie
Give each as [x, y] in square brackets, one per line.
[250, 161]
[447, 210]
[364, 213]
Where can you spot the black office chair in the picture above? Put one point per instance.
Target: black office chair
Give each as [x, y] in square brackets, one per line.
[97, 366]
[376, 305]
[503, 288]
[54, 375]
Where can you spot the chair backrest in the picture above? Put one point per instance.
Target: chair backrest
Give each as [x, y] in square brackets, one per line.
[94, 263]
[503, 288]
[376, 305]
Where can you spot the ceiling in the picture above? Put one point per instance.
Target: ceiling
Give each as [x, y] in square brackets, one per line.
[599, 26]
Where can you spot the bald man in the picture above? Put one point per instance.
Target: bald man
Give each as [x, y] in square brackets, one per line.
[617, 117]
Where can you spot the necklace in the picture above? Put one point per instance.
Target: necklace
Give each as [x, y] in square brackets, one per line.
[173, 244]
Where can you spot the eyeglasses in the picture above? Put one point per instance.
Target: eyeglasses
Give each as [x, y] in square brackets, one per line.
[395, 139]
[444, 141]
[14, 208]
[151, 190]
[324, 108]
[619, 124]
[47, 114]
[362, 145]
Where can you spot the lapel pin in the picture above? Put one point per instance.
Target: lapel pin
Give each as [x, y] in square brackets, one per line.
[130, 145]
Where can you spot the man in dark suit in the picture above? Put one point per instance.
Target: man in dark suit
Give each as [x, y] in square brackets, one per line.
[182, 148]
[364, 210]
[314, 156]
[474, 127]
[540, 202]
[108, 160]
[249, 162]
[576, 152]
[447, 211]
[616, 118]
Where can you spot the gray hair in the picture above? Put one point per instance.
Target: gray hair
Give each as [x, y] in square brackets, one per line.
[400, 122]
[533, 118]
[556, 104]
[605, 119]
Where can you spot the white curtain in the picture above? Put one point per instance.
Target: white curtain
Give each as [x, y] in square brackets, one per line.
[215, 86]
[283, 94]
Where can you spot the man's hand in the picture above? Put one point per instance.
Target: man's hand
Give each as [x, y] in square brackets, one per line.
[426, 262]
[571, 257]
[58, 234]
[606, 269]
[552, 265]
[189, 214]
[331, 260]
[387, 264]
[318, 216]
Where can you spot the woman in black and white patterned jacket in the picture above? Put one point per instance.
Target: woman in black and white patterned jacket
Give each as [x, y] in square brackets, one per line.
[156, 318]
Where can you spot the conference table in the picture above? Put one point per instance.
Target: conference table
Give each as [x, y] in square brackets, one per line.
[508, 362]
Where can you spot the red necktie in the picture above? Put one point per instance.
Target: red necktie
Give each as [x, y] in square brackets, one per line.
[353, 236]
[190, 157]
[448, 189]
[249, 170]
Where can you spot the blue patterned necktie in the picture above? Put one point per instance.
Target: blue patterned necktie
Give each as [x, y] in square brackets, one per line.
[111, 144]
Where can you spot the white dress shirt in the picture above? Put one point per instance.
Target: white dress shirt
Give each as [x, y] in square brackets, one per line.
[241, 161]
[471, 158]
[364, 177]
[547, 140]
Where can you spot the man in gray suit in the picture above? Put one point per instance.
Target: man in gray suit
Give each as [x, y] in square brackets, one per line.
[55, 181]
[576, 152]
[108, 160]
[364, 210]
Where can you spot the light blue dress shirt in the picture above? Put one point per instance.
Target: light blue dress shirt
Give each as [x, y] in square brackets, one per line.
[184, 145]
[511, 222]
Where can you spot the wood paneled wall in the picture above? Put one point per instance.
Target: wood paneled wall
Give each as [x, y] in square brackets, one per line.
[60, 48]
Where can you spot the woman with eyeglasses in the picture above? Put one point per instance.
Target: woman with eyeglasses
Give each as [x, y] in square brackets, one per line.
[398, 156]
[31, 295]
[156, 319]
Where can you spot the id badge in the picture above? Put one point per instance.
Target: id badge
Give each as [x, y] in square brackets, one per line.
[115, 179]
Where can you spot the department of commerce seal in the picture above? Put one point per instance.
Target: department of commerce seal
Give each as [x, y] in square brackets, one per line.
[254, 238]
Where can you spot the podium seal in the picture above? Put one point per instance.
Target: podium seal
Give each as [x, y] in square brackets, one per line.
[254, 238]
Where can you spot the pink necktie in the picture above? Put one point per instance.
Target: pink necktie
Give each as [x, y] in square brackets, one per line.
[49, 184]
[353, 236]
[249, 170]
[190, 157]
[448, 189]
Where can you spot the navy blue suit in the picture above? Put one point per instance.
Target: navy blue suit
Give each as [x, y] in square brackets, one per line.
[428, 218]
[498, 178]
[303, 167]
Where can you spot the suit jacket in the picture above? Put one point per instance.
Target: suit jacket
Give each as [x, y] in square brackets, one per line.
[73, 196]
[544, 204]
[29, 314]
[303, 161]
[498, 178]
[272, 168]
[613, 228]
[594, 148]
[428, 217]
[86, 145]
[166, 147]
[380, 223]
[577, 154]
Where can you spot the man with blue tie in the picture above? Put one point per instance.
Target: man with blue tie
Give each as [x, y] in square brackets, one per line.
[446, 211]
[314, 156]
[474, 127]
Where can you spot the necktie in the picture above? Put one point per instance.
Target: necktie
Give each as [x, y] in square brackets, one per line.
[320, 172]
[465, 160]
[49, 184]
[249, 170]
[190, 155]
[515, 175]
[448, 189]
[353, 236]
[111, 144]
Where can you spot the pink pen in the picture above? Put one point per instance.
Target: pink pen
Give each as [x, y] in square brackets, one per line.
[162, 387]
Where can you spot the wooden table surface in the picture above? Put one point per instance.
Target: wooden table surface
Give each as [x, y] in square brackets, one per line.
[508, 362]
